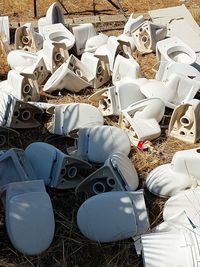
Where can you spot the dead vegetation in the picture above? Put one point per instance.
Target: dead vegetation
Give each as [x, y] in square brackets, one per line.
[69, 247]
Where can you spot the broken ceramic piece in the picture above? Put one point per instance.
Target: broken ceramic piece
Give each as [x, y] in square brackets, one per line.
[82, 33]
[72, 76]
[54, 54]
[125, 68]
[58, 33]
[98, 66]
[95, 42]
[113, 216]
[182, 173]
[184, 123]
[147, 35]
[19, 59]
[132, 24]
[97, 143]
[69, 118]
[17, 114]
[176, 90]
[117, 174]
[27, 39]
[59, 171]
[116, 98]
[22, 86]
[176, 248]
[29, 216]
[4, 29]
[54, 15]
[174, 50]
[141, 119]
[167, 68]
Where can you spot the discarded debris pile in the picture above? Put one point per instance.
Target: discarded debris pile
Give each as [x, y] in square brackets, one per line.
[56, 60]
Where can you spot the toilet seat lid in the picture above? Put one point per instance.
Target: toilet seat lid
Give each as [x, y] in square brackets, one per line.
[30, 222]
[102, 141]
[107, 217]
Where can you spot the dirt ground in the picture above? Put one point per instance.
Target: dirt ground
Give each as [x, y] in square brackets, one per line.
[20, 10]
[69, 248]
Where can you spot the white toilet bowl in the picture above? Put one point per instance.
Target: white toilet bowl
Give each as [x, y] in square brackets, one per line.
[23, 87]
[82, 33]
[94, 42]
[175, 50]
[18, 59]
[55, 168]
[72, 75]
[18, 114]
[58, 33]
[54, 15]
[114, 99]
[125, 68]
[54, 54]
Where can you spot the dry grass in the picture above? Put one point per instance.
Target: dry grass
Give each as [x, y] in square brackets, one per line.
[3, 59]
[69, 247]
[18, 10]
